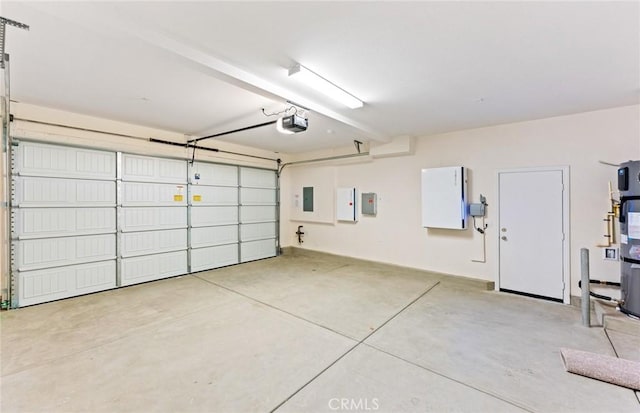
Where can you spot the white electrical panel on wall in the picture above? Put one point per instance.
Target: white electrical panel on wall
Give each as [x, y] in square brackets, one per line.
[346, 205]
[444, 197]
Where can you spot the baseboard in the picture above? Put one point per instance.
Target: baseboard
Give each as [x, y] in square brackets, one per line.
[450, 278]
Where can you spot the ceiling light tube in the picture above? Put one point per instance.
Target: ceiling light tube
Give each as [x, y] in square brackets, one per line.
[322, 85]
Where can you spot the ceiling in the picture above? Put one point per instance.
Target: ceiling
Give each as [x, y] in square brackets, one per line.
[200, 68]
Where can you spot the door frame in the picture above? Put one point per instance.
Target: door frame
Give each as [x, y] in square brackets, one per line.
[566, 258]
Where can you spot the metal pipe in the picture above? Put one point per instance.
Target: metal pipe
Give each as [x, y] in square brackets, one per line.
[38, 122]
[279, 218]
[330, 158]
[7, 273]
[271, 122]
[584, 284]
[140, 138]
[191, 145]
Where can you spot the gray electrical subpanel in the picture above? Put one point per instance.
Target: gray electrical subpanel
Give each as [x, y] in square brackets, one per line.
[307, 199]
[369, 203]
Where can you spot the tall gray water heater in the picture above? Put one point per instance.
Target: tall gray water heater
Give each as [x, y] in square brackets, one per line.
[629, 187]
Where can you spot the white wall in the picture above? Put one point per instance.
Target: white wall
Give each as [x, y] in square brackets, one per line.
[395, 235]
[111, 140]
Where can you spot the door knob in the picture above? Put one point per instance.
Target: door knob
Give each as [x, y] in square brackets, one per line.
[503, 238]
[503, 229]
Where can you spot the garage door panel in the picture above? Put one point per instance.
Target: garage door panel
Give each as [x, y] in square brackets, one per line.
[149, 194]
[253, 232]
[40, 286]
[52, 160]
[153, 267]
[152, 242]
[151, 169]
[257, 196]
[149, 218]
[214, 215]
[254, 214]
[214, 257]
[210, 236]
[57, 192]
[255, 250]
[213, 195]
[257, 178]
[56, 222]
[213, 174]
[52, 252]
[74, 210]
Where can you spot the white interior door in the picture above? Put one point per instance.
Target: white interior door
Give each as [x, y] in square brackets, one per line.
[532, 222]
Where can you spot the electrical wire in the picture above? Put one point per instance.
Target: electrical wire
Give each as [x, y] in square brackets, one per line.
[600, 282]
[480, 230]
[285, 111]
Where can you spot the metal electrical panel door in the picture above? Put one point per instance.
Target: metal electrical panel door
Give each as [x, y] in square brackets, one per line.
[346, 209]
[63, 222]
[258, 214]
[213, 207]
[531, 233]
[153, 220]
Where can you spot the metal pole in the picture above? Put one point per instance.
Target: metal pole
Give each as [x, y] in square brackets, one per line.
[7, 283]
[584, 284]
[330, 158]
[278, 244]
[271, 122]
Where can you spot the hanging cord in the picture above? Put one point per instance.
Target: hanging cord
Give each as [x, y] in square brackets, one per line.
[291, 110]
[193, 155]
[480, 230]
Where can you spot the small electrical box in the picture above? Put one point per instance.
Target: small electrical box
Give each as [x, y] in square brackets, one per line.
[477, 210]
[369, 203]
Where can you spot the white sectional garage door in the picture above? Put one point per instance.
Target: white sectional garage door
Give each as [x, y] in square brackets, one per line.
[258, 218]
[153, 219]
[87, 220]
[64, 222]
[214, 215]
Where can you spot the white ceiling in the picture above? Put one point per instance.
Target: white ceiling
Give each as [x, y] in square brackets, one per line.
[200, 68]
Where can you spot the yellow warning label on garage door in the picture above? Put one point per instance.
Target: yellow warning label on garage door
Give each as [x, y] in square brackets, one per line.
[197, 198]
[178, 197]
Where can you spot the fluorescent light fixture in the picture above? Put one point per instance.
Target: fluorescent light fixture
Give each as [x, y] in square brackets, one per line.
[324, 86]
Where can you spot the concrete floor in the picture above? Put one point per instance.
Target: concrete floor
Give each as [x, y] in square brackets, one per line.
[304, 332]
